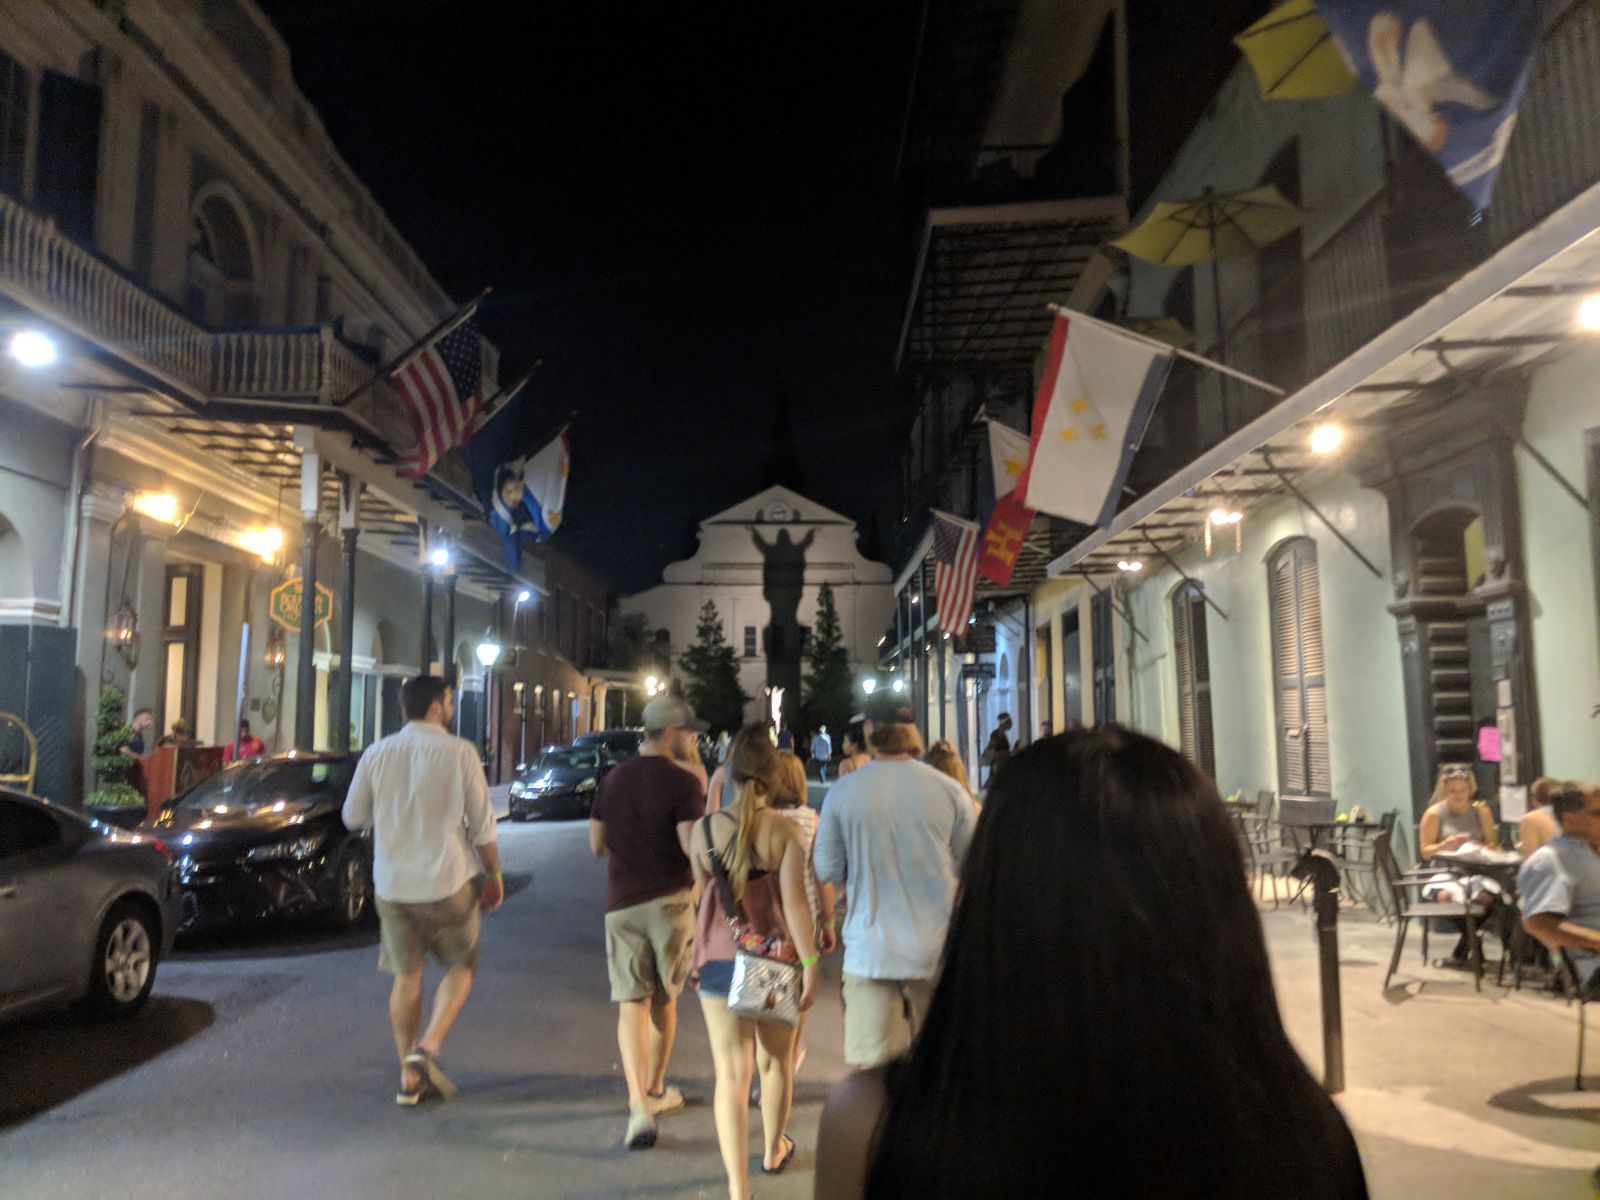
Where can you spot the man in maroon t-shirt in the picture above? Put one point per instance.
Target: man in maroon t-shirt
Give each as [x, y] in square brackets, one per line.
[641, 823]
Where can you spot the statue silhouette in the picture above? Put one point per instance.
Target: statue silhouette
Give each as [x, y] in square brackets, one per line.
[783, 579]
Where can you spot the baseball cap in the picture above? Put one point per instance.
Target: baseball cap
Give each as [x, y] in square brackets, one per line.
[666, 711]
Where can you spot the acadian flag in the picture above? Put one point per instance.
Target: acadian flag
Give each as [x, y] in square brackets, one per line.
[1451, 71]
[1094, 401]
[529, 494]
[1008, 522]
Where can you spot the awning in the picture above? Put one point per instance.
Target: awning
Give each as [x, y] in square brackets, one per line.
[1514, 309]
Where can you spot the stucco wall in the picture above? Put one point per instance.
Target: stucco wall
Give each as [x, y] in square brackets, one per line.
[1366, 713]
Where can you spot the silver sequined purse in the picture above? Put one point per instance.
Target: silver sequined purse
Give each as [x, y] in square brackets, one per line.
[763, 989]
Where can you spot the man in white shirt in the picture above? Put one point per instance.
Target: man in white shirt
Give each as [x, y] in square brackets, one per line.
[435, 865]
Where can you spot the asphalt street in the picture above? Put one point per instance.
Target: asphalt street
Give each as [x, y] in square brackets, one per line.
[263, 1067]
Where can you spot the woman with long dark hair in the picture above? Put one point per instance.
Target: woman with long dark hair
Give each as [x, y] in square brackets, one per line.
[1104, 1023]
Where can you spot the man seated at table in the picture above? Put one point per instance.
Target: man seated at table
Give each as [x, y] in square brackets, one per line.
[1560, 882]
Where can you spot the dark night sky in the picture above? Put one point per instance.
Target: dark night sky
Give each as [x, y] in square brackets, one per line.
[686, 212]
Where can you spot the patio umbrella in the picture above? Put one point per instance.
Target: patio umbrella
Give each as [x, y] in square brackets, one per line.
[1212, 226]
[1294, 56]
[1164, 329]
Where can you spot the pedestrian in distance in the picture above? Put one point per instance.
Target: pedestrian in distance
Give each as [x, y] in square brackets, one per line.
[785, 738]
[244, 745]
[790, 801]
[893, 834]
[141, 743]
[854, 746]
[721, 792]
[764, 858]
[435, 868]
[821, 752]
[942, 757]
[641, 822]
[1104, 1022]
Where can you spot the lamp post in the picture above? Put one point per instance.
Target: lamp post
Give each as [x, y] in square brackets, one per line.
[488, 652]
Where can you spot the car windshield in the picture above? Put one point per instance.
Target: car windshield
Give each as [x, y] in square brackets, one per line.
[249, 786]
[571, 756]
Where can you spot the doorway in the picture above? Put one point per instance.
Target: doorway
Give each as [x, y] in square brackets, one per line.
[179, 683]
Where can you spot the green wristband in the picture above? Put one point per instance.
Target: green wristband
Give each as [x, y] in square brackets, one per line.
[496, 874]
[810, 962]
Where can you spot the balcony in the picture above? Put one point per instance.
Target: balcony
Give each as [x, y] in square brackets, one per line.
[50, 274]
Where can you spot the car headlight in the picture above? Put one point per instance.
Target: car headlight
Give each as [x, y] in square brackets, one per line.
[299, 849]
[516, 790]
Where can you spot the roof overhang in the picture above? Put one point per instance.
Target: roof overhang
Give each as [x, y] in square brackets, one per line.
[1514, 309]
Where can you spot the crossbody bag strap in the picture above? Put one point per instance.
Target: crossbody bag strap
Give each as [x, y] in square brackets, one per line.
[719, 871]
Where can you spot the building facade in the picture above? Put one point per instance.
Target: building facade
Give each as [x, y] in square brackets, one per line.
[218, 292]
[763, 562]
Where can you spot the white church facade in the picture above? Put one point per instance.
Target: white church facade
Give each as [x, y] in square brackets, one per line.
[763, 563]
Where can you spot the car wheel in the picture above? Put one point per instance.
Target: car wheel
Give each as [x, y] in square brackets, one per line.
[352, 889]
[124, 968]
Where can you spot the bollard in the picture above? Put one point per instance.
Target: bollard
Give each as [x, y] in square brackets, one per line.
[1318, 868]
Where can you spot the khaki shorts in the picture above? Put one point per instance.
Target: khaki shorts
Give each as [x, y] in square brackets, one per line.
[882, 1017]
[649, 948]
[447, 929]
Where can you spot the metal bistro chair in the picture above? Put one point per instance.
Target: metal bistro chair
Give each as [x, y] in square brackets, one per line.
[1264, 800]
[1582, 993]
[1268, 853]
[1352, 850]
[19, 752]
[1412, 907]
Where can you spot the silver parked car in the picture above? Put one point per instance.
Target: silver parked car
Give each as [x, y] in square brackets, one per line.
[86, 913]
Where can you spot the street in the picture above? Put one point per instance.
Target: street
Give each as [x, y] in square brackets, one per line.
[263, 1067]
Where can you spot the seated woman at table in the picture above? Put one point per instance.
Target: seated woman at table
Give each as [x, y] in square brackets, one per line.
[1538, 824]
[1452, 819]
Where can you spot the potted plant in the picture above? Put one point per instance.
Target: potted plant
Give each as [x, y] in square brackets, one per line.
[115, 801]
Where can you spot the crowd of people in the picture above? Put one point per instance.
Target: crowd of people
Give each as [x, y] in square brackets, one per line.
[1003, 1036]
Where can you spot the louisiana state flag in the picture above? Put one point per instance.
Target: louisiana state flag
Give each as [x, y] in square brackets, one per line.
[1450, 71]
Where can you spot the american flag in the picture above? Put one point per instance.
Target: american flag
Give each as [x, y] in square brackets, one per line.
[443, 390]
[955, 570]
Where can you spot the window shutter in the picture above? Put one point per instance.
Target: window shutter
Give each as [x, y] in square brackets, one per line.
[69, 153]
[1190, 653]
[1294, 592]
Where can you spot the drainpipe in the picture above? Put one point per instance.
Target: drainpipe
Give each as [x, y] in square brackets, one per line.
[79, 481]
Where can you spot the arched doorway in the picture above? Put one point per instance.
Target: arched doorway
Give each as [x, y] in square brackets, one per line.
[222, 261]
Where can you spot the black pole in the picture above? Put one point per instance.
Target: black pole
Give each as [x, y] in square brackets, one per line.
[427, 621]
[305, 679]
[1320, 868]
[347, 635]
[447, 652]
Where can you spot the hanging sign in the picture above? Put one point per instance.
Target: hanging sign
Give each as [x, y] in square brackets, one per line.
[286, 603]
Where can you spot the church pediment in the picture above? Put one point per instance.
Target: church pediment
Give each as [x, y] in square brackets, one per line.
[778, 505]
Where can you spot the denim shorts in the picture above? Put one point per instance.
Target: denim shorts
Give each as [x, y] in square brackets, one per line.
[716, 977]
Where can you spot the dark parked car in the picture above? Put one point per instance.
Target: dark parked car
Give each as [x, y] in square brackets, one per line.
[562, 783]
[263, 838]
[86, 912]
[619, 743]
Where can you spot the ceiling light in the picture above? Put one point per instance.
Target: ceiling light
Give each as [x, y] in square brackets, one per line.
[1129, 564]
[869, 685]
[439, 556]
[1326, 438]
[1589, 313]
[1226, 516]
[263, 543]
[33, 349]
[158, 506]
[916, 600]
[524, 596]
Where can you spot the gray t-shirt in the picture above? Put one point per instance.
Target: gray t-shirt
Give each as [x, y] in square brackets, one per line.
[1563, 877]
[894, 834]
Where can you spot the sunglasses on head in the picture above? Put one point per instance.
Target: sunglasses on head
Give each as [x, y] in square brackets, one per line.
[1455, 773]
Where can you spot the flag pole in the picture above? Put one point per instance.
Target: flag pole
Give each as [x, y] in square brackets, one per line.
[500, 399]
[443, 328]
[1168, 348]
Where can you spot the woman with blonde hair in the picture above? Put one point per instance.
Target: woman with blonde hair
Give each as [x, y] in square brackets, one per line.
[765, 861]
[1451, 821]
[942, 756]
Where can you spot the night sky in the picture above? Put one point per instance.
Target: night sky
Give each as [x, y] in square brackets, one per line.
[688, 213]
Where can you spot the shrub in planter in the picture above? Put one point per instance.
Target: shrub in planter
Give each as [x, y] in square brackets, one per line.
[115, 799]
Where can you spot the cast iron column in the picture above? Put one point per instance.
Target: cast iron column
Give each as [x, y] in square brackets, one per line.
[305, 676]
[347, 634]
[447, 651]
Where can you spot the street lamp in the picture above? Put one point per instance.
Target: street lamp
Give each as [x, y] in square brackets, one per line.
[899, 685]
[652, 685]
[869, 685]
[33, 349]
[489, 651]
[439, 556]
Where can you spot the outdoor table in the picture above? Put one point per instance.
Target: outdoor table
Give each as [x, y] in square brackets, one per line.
[1502, 867]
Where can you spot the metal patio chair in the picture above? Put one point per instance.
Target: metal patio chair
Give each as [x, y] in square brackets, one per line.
[1406, 889]
[1583, 993]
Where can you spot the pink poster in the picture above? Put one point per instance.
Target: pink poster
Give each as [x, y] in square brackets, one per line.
[1489, 744]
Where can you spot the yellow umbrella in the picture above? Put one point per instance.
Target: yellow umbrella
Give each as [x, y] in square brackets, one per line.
[1212, 226]
[1294, 55]
[1164, 329]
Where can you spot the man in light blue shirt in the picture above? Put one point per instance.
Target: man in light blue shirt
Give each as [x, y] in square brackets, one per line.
[1560, 883]
[893, 833]
[821, 752]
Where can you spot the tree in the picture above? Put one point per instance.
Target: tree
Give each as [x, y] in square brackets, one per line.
[826, 690]
[712, 669]
[111, 766]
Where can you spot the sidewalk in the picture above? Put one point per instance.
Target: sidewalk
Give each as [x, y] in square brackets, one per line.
[500, 797]
[1450, 1092]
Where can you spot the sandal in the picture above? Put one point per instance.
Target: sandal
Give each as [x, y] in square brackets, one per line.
[420, 1060]
[784, 1161]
